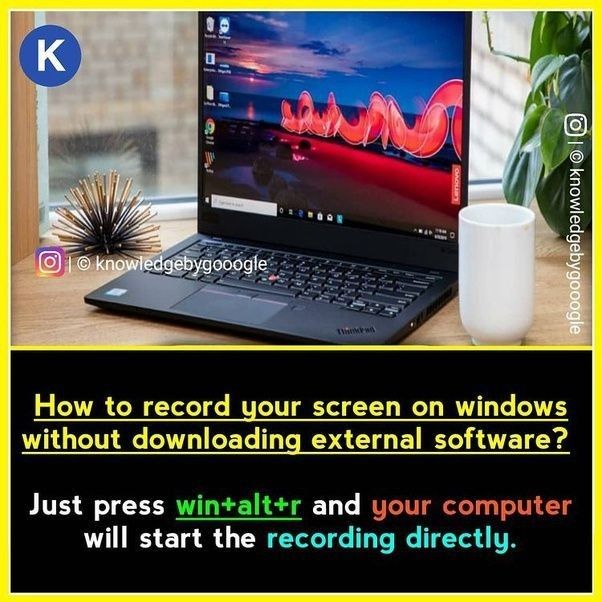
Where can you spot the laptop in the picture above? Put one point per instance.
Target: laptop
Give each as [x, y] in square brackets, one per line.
[333, 162]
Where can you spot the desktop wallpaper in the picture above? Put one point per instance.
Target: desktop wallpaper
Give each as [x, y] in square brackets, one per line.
[353, 114]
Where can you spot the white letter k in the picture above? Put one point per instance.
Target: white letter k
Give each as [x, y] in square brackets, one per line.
[47, 54]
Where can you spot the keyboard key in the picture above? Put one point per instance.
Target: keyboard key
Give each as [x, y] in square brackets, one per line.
[356, 305]
[410, 295]
[370, 310]
[340, 302]
[367, 288]
[413, 288]
[384, 299]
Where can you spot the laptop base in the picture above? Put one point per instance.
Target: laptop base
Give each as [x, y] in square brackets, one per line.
[293, 318]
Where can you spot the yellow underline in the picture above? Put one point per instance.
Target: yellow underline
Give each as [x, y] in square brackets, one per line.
[251, 421]
[285, 453]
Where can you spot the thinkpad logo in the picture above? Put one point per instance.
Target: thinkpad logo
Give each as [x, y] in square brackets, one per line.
[356, 330]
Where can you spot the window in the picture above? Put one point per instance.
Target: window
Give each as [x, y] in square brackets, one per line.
[499, 89]
[130, 107]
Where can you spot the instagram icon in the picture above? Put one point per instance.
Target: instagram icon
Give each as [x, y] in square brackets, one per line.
[50, 262]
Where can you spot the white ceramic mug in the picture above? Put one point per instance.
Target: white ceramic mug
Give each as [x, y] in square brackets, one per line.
[496, 272]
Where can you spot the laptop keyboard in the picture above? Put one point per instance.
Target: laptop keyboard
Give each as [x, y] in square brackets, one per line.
[352, 286]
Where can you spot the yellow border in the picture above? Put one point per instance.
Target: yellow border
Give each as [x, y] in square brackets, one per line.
[389, 348]
[5, 278]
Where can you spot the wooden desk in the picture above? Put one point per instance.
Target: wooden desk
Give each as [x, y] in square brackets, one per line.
[51, 311]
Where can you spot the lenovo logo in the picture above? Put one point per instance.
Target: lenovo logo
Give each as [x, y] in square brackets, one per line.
[356, 330]
[456, 185]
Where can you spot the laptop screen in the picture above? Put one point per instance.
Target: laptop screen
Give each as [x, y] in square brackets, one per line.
[352, 119]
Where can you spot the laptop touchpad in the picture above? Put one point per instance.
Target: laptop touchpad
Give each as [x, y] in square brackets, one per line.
[219, 303]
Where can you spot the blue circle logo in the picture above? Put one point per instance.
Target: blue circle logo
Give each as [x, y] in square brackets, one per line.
[50, 55]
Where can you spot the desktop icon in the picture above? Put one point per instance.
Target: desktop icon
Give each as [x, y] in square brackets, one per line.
[329, 217]
[209, 159]
[290, 211]
[210, 24]
[224, 26]
[210, 58]
[209, 127]
[320, 217]
[310, 215]
[224, 98]
[281, 210]
[301, 213]
[209, 93]
[339, 218]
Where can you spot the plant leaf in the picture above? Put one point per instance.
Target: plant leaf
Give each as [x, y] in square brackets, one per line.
[545, 67]
[582, 31]
[537, 50]
[533, 143]
[566, 41]
[575, 84]
[522, 173]
[543, 34]
[531, 123]
[554, 144]
[537, 98]
[555, 200]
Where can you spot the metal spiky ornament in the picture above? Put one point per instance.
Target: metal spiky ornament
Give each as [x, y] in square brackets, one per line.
[103, 220]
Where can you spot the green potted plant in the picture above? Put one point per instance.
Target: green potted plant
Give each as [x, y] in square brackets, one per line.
[555, 137]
